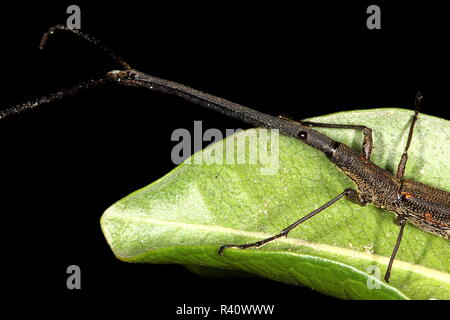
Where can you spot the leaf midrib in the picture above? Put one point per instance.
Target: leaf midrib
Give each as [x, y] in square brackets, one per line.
[399, 264]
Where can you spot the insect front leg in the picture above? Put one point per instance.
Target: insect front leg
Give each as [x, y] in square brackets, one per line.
[285, 231]
[368, 140]
[356, 198]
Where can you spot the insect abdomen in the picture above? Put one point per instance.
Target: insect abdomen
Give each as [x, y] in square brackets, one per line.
[426, 207]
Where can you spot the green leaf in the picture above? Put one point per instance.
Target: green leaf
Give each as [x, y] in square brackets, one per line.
[185, 216]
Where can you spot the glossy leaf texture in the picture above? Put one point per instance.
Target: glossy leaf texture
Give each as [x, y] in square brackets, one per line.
[186, 215]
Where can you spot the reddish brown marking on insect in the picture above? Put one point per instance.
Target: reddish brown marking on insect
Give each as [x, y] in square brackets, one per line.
[407, 195]
[428, 216]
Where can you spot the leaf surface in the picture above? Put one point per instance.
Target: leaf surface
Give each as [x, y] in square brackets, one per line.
[185, 216]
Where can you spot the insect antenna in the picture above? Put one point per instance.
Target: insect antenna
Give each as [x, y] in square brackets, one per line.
[74, 89]
[116, 58]
[52, 97]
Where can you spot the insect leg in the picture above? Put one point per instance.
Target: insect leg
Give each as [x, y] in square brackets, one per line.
[354, 197]
[402, 164]
[401, 222]
[368, 141]
[285, 231]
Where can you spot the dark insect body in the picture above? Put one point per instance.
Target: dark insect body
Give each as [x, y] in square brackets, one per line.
[426, 207]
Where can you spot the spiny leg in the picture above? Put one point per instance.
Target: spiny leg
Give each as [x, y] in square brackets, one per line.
[368, 141]
[402, 164]
[401, 222]
[285, 231]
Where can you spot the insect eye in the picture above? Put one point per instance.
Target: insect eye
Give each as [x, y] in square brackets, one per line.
[302, 135]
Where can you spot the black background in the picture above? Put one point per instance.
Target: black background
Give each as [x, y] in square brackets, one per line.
[63, 164]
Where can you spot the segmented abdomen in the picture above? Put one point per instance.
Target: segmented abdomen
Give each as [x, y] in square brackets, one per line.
[426, 207]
